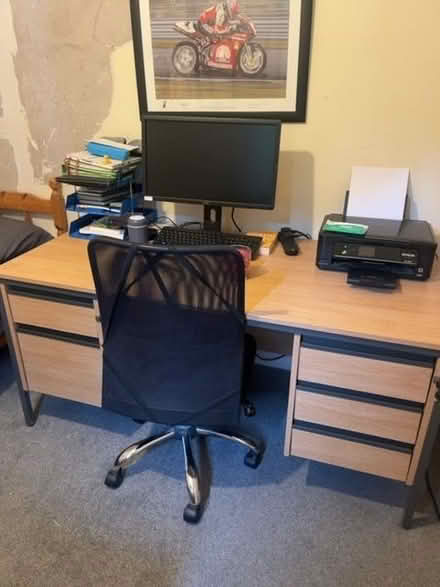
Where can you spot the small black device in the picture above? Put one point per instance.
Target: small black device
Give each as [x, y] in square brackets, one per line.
[370, 278]
[399, 248]
[286, 236]
[174, 236]
[211, 161]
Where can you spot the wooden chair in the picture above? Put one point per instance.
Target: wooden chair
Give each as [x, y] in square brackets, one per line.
[28, 204]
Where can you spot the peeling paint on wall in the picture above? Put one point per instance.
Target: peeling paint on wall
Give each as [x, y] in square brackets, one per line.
[8, 169]
[123, 117]
[14, 125]
[62, 67]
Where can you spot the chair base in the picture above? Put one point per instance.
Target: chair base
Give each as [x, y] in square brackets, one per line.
[193, 511]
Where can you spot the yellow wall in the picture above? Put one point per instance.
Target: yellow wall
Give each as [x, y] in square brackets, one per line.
[374, 99]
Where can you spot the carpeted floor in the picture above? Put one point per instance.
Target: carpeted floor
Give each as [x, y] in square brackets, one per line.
[289, 523]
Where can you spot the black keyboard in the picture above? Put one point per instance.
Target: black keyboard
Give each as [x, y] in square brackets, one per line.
[174, 236]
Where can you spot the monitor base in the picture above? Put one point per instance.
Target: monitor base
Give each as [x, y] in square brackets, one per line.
[212, 218]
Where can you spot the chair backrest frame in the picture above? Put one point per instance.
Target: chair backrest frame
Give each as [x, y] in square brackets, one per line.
[190, 302]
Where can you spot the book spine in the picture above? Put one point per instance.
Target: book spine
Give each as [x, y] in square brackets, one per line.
[113, 152]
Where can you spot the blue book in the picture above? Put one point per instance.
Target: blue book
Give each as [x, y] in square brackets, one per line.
[102, 147]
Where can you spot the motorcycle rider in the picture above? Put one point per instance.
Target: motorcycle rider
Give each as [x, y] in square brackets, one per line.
[219, 20]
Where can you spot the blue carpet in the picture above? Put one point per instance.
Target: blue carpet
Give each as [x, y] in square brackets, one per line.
[288, 523]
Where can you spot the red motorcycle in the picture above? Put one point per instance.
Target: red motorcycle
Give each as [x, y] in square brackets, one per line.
[236, 52]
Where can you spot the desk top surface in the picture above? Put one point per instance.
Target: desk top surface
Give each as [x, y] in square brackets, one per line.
[280, 290]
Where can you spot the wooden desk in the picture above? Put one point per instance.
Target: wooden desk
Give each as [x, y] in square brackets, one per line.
[365, 366]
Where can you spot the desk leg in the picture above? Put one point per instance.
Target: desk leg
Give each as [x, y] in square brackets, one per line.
[424, 462]
[30, 412]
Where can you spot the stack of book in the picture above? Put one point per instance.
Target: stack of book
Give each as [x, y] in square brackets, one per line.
[103, 195]
[104, 178]
[100, 180]
[85, 165]
[110, 226]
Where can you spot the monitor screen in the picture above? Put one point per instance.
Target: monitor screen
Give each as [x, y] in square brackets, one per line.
[214, 161]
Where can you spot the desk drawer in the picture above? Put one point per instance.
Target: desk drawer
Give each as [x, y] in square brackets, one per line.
[352, 455]
[64, 369]
[386, 378]
[56, 315]
[357, 416]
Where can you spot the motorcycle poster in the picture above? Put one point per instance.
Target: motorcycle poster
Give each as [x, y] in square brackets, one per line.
[231, 57]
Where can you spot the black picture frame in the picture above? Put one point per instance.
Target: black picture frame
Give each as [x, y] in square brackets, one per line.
[297, 116]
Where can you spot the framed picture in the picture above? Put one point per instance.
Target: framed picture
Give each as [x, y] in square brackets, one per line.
[240, 58]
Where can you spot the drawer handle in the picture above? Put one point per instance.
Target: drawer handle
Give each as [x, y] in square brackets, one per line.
[358, 437]
[58, 335]
[61, 296]
[364, 351]
[360, 396]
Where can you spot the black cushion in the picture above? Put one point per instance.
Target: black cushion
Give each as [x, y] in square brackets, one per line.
[17, 237]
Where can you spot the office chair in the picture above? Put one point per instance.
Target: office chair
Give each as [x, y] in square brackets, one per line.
[173, 346]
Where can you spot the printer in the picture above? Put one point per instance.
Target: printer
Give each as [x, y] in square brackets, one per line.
[390, 249]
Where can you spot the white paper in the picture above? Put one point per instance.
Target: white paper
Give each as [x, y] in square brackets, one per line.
[378, 192]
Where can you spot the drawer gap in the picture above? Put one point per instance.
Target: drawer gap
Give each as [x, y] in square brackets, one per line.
[378, 352]
[50, 295]
[361, 396]
[353, 436]
[58, 335]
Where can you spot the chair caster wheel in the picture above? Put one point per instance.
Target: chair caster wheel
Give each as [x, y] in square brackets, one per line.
[192, 513]
[115, 477]
[249, 410]
[253, 459]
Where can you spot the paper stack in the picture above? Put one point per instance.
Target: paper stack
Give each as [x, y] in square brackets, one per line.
[85, 165]
[106, 226]
[378, 192]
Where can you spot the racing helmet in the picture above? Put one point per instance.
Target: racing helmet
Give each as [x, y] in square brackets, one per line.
[232, 8]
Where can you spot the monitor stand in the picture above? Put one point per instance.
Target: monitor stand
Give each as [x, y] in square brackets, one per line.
[212, 218]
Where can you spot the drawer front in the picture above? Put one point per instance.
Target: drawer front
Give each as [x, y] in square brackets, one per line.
[386, 378]
[357, 416]
[352, 455]
[63, 369]
[78, 319]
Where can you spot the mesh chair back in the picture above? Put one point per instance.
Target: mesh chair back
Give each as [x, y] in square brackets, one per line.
[174, 325]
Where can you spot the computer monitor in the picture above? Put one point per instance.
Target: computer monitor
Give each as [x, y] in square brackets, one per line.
[211, 161]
